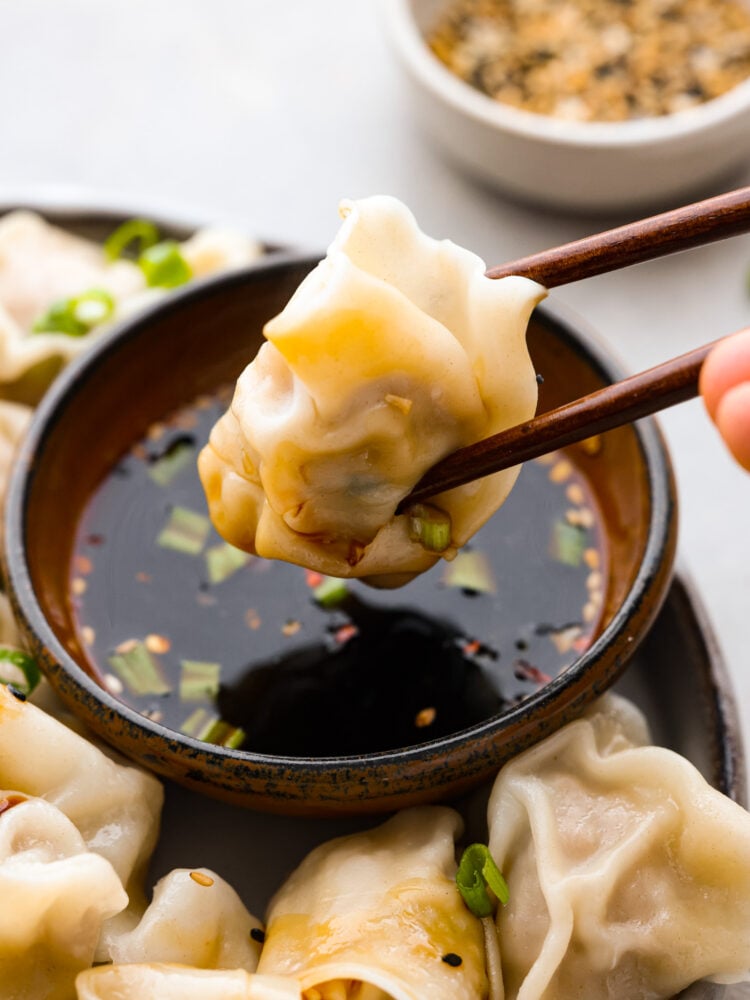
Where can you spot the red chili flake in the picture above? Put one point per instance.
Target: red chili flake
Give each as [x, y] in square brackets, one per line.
[291, 627]
[94, 539]
[8, 801]
[313, 579]
[345, 633]
[83, 564]
[473, 647]
[143, 577]
[252, 619]
[582, 643]
[525, 671]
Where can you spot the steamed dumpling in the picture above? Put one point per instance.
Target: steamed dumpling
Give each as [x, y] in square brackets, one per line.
[54, 898]
[115, 807]
[395, 351]
[178, 982]
[197, 919]
[629, 875]
[373, 916]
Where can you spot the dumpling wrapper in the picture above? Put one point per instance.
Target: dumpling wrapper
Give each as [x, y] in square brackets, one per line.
[393, 352]
[371, 916]
[178, 982]
[200, 922]
[41, 263]
[629, 875]
[54, 898]
[116, 807]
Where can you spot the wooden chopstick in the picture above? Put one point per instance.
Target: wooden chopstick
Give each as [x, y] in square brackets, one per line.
[682, 229]
[638, 396]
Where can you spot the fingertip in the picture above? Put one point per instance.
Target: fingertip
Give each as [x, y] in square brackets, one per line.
[727, 365]
[733, 421]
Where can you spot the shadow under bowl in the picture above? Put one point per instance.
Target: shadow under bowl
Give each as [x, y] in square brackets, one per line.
[191, 344]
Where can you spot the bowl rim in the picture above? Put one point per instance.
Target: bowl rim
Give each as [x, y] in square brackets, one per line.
[650, 582]
[462, 97]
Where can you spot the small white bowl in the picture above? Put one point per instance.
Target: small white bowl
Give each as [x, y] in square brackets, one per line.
[594, 166]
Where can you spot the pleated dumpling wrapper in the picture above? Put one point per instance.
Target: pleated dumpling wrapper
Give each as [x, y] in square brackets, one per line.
[54, 898]
[116, 807]
[180, 982]
[629, 875]
[196, 919]
[393, 352]
[377, 915]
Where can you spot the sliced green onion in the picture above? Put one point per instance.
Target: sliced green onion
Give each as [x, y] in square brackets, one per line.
[331, 592]
[139, 670]
[164, 266]
[194, 722]
[203, 725]
[476, 872]
[470, 570]
[19, 670]
[185, 531]
[76, 316]
[199, 680]
[430, 526]
[568, 543]
[223, 560]
[171, 463]
[139, 231]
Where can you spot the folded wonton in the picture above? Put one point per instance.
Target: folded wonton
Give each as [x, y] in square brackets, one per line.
[178, 982]
[629, 875]
[377, 915]
[395, 351]
[196, 919]
[54, 898]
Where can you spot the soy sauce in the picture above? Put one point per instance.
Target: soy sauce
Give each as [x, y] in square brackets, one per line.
[246, 652]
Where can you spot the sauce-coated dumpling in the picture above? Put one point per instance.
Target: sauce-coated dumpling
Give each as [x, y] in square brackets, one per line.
[395, 351]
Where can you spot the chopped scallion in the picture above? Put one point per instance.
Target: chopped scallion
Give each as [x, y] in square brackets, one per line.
[331, 592]
[223, 560]
[171, 463]
[139, 670]
[476, 872]
[471, 571]
[568, 543]
[199, 680]
[138, 231]
[164, 266]
[430, 526]
[19, 670]
[185, 531]
[76, 316]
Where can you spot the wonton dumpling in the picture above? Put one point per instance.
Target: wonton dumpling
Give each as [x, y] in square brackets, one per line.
[54, 898]
[115, 807]
[178, 982]
[379, 908]
[629, 875]
[395, 351]
[41, 263]
[200, 922]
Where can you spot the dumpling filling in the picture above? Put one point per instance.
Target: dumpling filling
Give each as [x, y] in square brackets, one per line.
[395, 351]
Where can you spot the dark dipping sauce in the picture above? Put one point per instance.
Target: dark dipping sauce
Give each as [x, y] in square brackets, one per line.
[266, 656]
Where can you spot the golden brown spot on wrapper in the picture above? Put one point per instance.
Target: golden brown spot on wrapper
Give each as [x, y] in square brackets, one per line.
[201, 879]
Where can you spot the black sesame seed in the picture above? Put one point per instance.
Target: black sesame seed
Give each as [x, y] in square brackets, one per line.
[16, 692]
[452, 959]
[257, 934]
[539, 379]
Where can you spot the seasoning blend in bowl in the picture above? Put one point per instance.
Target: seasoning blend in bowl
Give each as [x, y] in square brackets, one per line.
[582, 104]
[227, 673]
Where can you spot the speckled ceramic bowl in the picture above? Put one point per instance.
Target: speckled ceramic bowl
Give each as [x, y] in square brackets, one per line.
[203, 337]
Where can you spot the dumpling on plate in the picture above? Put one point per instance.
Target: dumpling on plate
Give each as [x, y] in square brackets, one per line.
[116, 807]
[54, 898]
[377, 916]
[179, 982]
[196, 919]
[393, 352]
[629, 875]
[41, 264]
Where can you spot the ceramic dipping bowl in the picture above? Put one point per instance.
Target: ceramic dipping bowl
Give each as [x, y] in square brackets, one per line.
[184, 349]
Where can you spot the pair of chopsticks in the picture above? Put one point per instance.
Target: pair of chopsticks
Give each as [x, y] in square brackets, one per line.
[639, 396]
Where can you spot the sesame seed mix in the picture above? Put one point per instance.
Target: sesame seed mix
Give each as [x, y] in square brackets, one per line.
[597, 60]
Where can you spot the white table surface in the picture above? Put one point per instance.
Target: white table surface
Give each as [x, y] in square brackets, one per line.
[266, 114]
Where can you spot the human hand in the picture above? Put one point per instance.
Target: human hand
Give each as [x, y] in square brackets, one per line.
[725, 387]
